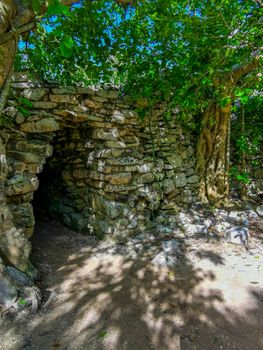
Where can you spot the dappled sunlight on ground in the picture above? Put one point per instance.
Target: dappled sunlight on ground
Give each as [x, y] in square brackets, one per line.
[102, 302]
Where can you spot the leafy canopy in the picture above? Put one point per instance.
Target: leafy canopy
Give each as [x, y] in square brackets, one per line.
[179, 51]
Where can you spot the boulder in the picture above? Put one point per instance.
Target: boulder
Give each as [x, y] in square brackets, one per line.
[163, 260]
[237, 235]
[259, 210]
[170, 247]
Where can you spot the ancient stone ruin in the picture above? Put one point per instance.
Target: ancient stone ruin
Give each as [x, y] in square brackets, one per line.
[94, 164]
[84, 157]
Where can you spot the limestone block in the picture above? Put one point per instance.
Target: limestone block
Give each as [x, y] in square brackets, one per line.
[119, 188]
[96, 175]
[115, 144]
[105, 169]
[21, 184]
[168, 186]
[20, 77]
[100, 99]
[145, 178]
[180, 180]
[65, 90]
[146, 168]
[25, 157]
[23, 85]
[108, 93]
[128, 160]
[124, 117]
[119, 179]
[93, 104]
[44, 105]
[175, 160]
[95, 184]
[43, 125]
[34, 94]
[116, 210]
[34, 146]
[80, 173]
[23, 215]
[130, 168]
[24, 198]
[193, 179]
[63, 99]
[109, 135]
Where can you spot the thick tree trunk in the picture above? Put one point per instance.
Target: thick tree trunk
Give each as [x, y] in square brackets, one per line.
[212, 159]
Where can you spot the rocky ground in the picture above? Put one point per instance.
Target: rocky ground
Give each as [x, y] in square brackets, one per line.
[181, 286]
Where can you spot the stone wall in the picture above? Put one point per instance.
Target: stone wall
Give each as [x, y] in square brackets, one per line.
[105, 170]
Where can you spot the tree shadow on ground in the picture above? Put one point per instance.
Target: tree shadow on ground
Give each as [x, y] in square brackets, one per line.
[103, 303]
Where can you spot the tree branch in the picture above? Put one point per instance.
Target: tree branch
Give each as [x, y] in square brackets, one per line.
[16, 31]
[238, 71]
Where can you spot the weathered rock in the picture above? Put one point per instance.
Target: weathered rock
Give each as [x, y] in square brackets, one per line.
[21, 184]
[259, 210]
[8, 292]
[145, 178]
[238, 235]
[44, 105]
[193, 179]
[163, 260]
[63, 99]
[35, 94]
[180, 180]
[108, 93]
[43, 125]
[171, 247]
[192, 229]
[175, 160]
[168, 186]
[18, 276]
[119, 179]
[25, 157]
[251, 213]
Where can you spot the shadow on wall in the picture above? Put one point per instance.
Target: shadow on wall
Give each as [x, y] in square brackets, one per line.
[99, 303]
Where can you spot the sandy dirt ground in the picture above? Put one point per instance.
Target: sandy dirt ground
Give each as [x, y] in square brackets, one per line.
[98, 300]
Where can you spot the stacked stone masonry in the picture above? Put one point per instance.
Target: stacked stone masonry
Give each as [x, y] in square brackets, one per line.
[106, 171]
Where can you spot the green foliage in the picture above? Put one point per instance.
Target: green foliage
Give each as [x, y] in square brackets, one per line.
[176, 51]
[23, 106]
[247, 144]
[22, 302]
[103, 334]
[236, 174]
[181, 52]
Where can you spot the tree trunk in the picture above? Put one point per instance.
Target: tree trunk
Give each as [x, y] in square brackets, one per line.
[243, 189]
[212, 148]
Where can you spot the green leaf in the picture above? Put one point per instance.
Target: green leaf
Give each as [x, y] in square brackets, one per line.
[225, 101]
[244, 99]
[56, 8]
[103, 334]
[66, 46]
[36, 5]
[25, 101]
[58, 31]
